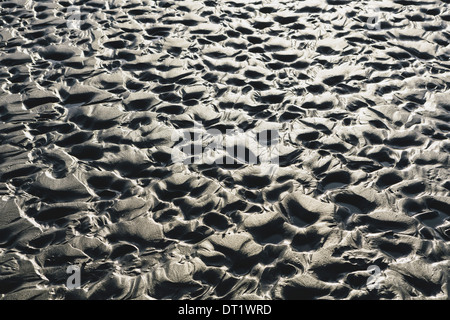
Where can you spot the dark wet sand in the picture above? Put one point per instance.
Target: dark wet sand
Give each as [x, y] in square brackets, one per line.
[87, 117]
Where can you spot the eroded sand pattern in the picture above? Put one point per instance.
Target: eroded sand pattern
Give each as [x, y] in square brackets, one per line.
[93, 92]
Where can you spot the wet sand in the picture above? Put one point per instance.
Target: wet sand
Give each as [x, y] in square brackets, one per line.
[357, 206]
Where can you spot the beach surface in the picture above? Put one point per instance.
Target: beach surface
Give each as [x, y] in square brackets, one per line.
[341, 109]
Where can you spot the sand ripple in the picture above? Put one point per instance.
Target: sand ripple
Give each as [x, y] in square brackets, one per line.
[358, 91]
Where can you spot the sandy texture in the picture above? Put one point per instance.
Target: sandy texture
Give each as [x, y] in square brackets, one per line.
[358, 91]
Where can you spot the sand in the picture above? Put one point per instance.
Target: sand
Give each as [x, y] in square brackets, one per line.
[347, 196]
